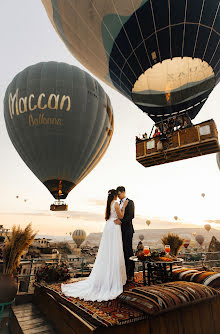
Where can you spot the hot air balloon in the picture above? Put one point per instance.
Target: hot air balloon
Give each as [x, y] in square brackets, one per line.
[207, 227]
[141, 237]
[60, 121]
[79, 236]
[194, 234]
[203, 195]
[162, 55]
[148, 222]
[200, 239]
[17, 196]
[175, 217]
[186, 243]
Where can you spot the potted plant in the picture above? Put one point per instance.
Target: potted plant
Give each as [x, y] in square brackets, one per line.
[174, 241]
[12, 250]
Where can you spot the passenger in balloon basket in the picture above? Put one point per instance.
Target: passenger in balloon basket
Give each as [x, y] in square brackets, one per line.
[127, 230]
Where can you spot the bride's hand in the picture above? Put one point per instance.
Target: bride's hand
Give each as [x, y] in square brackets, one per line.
[125, 203]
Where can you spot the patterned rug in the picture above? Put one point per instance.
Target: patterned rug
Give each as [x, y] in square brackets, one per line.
[106, 313]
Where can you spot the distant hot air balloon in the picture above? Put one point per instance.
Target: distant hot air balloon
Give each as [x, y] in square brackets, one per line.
[60, 121]
[194, 234]
[162, 55]
[186, 243]
[148, 222]
[207, 227]
[200, 239]
[203, 195]
[17, 196]
[25, 200]
[141, 237]
[175, 217]
[79, 236]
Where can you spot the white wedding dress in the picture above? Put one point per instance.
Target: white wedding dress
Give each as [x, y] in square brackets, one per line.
[109, 274]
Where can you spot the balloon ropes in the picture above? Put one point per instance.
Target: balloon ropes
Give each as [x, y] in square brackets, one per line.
[60, 121]
[162, 55]
[79, 236]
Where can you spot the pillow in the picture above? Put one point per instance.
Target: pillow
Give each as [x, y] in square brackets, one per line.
[208, 278]
[159, 298]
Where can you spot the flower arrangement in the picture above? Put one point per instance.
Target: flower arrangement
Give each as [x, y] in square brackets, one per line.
[174, 241]
[53, 273]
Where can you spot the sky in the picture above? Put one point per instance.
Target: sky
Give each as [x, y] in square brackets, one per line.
[160, 193]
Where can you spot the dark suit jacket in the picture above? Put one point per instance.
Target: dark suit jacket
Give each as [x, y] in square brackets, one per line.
[126, 222]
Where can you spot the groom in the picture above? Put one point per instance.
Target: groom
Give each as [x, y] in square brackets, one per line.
[127, 231]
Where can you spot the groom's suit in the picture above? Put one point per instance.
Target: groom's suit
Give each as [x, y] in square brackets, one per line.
[127, 236]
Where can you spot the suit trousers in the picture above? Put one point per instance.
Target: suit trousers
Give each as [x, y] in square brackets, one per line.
[128, 252]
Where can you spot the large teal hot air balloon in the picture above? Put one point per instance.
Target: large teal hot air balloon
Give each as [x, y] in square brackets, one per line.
[163, 55]
[60, 121]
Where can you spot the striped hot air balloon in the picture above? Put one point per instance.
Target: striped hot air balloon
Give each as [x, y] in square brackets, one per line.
[79, 236]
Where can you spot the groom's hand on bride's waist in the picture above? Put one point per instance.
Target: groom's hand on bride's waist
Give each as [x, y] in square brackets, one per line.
[117, 221]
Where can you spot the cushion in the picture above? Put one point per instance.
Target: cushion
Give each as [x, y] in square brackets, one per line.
[155, 299]
[208, 278]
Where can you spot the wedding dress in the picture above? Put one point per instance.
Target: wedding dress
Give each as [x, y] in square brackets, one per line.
[109, 273]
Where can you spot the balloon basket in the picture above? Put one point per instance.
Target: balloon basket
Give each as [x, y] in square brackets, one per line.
[197, 140]
[59, 206]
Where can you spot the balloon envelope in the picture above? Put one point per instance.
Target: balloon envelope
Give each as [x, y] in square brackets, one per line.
[218, 159]
[60, 121]
[163, 55]
[79, 236]
[141, 237]
[148, 222]
[203, 195]
[175, 217]
[207, 227]
[200, 239]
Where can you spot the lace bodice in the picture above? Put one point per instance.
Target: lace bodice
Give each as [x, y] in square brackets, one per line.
[113, 214]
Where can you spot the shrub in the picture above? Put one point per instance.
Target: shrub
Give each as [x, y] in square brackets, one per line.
[53, 273]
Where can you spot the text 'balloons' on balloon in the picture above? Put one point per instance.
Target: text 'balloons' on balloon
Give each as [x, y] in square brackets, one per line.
[60, 121]
[78, 237]
[148, 222]
[162, 55]
[207, 227]
[200, 239]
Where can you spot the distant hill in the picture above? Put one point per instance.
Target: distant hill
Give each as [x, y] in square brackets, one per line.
[153, 236]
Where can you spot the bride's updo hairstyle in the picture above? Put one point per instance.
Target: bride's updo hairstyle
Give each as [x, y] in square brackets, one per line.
[111, 195]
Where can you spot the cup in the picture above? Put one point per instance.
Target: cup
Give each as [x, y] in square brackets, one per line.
[167, 249]
[146, 250]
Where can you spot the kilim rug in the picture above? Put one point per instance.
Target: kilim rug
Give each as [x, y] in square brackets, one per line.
[106, 313]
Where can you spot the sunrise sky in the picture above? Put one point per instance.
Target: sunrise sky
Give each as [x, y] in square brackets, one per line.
[160, 193]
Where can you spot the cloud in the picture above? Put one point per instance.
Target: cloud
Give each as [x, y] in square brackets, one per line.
[217, 221]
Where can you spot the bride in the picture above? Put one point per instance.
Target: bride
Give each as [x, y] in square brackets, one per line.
[109, 274]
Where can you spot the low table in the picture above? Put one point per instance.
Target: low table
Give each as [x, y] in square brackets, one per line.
[158, 266]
